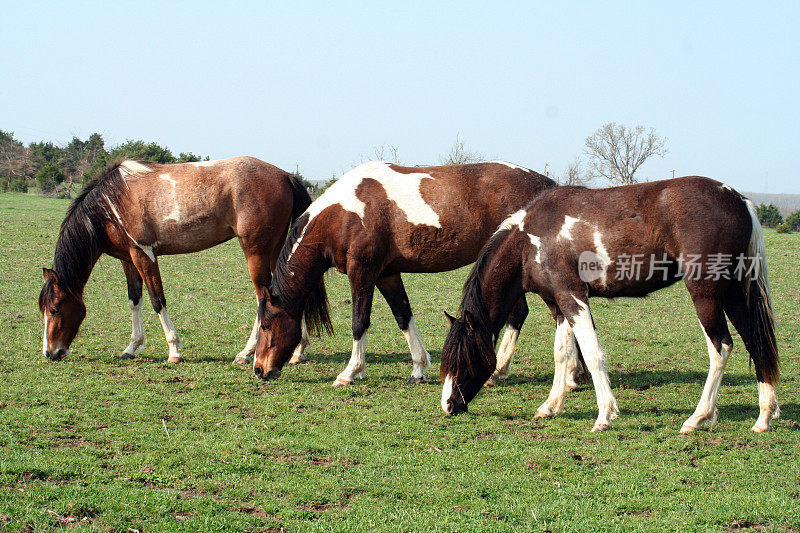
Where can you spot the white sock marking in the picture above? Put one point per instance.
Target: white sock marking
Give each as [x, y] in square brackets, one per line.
[171, 334]
[596, 363]
[355, 368]
[420, 357]
[505, 351]
[564, 349]
[137, 329]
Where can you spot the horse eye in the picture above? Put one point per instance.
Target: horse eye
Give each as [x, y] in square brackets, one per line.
[54, 311]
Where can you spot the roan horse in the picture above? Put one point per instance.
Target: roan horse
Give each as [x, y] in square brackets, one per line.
[571, 243]
[136, 211]
[375, 222]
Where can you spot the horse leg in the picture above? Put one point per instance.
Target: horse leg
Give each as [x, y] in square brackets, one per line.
[362, 288]
[393, 290]
[577, 312]
[148, 270]
[258, 266]
[299, 355]
[576, 370]
[135, 300]
[509, 342]
[719, 342]
[564, 351]
[736, 309]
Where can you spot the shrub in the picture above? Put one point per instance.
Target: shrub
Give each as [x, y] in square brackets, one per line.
[49, 177]
[783, 228]
[793, 221]
[768, 215]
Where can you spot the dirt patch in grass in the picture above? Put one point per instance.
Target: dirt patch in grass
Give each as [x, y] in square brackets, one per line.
[746, 524]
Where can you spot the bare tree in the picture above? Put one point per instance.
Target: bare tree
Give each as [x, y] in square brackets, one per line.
[459, 154]
[617, 151]
[575, 174]
[385, 152]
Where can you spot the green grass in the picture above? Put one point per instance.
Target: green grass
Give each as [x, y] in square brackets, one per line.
[83, 441]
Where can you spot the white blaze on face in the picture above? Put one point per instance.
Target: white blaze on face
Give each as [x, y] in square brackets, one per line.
[567, 227]
[175, 214]
[205, 163]
[447, 391]
[512, 165]
[402, 189]
[44, 336]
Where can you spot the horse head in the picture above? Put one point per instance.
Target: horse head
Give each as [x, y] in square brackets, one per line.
[63, 312]
[279, 335]
[468, 360]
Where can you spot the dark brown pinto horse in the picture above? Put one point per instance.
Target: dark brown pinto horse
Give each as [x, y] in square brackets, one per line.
[136, 211]
[375, 222]
[572, 243]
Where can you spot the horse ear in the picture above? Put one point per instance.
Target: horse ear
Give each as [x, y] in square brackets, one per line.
[449, 318]
[470, 320]
[50, 275]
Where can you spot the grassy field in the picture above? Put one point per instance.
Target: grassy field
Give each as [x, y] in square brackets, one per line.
[100, 443]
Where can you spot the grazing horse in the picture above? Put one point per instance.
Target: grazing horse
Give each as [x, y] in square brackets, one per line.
[375, 222]
[571, 243]
[136, 211]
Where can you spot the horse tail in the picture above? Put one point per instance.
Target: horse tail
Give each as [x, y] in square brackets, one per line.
[300, 197]
[760, 335]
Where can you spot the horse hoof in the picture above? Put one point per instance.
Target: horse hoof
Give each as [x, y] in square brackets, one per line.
[759, 429]
[490, 382]
[241, 360]
[297, 358]
[686, 429]
[542, 414]
[341, 382]
[416, 381]
[175, 359]
[126, 355]
[600, 427]
[569, 387]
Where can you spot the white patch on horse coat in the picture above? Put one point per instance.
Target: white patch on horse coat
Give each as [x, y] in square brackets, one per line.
[447, 391]
[768, 406]
[131, 167]
[44, 336]
[175, 214]
[726, 187]
[564, 350]
[537, 242]
[402, 189]
[565, 229]
[205, 163]
[420, 357]
[515, 220]
[602, 253]
[512, 165]
[147, 249]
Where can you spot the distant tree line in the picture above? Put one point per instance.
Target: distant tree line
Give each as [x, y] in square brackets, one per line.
[55, 169]
[770, 217]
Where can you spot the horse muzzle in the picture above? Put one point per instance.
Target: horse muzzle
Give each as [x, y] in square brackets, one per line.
[272, 373]
[57, 355]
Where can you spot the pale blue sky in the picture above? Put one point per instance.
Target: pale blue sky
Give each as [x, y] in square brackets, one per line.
[320, 84]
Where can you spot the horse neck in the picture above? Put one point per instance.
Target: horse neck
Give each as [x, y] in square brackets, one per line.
[74, 259]
[495, 293]
[295, 279]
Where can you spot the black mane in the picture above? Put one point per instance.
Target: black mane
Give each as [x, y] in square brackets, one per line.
[283, 288]
[82, 236]
[472, 297]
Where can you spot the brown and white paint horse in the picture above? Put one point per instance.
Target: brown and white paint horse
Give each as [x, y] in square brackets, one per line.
[136, 211]
[539, 249]
[376, 222]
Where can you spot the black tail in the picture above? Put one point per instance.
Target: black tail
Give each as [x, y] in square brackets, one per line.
[300, 197]
[756, 322]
